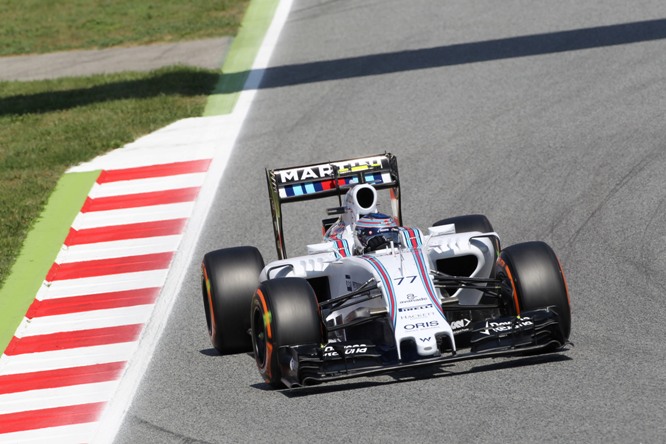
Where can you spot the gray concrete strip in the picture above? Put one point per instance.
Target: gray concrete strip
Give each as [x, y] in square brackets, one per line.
[205, 53]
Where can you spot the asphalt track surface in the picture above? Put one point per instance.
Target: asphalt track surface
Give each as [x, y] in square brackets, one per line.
[546, 116]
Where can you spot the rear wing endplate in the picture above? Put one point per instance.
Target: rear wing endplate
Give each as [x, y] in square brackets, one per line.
[309, 182]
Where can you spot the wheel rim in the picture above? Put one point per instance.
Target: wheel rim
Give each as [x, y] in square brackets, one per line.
[259, 337]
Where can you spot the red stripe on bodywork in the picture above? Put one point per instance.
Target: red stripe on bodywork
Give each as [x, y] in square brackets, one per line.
[53, 417]
[73, 339]
[101, 301]
[140, 199]
[103, 267]
[168, 169]
[124, 232]
[330, 184]
[341, 248]
[62, 377]
[412, 237]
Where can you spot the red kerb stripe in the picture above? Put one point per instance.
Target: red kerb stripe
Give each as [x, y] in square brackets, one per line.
[140, 199]
[124, 232]
[168, 169]
[103, 267]
[101, 301]
[63, 377]
[73, 339]
[53, 417]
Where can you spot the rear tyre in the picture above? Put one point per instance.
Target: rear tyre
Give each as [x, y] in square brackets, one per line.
[534, 279]
[229, 279]
[284, 312]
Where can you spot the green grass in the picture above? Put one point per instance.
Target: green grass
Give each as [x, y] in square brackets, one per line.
[41, 26]
[48, 126]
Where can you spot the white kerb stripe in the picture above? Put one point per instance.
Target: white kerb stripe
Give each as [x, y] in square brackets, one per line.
[124, 187]
[112, 317]
[102, 284]
[50, 435]
[56, 397]
[67, 358]
[96, 219]
[116, 249]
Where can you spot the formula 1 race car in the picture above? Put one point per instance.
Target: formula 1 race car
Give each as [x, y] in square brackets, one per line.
[375, 296]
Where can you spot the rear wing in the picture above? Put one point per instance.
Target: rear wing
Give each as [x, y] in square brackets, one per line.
[309, 182]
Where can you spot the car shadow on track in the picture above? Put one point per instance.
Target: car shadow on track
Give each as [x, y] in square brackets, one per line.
[519, 362]
[212, 352]
[431, 372]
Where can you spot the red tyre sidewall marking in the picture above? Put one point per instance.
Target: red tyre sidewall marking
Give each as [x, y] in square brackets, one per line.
[504, 265]
[269, 333]
[213, 323]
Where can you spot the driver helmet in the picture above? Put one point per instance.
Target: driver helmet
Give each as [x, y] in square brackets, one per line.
[375, 231]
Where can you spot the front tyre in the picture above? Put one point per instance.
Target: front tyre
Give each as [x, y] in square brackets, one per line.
[533, 275]
[284, 312]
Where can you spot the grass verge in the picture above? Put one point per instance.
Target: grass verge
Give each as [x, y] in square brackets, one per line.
[48, 126]
[41, 26]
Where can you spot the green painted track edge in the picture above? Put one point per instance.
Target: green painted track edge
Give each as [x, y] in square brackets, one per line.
[40, 249]
[241, 56]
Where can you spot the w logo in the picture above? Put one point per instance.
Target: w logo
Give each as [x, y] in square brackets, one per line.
[426, 339]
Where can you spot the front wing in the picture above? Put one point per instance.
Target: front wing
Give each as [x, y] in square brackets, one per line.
[309, 364]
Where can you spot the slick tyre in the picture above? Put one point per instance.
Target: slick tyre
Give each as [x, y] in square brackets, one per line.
[533, 279]
[284, 312]
[229, 279]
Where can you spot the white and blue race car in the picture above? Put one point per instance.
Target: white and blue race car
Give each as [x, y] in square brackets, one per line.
[375, 296]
